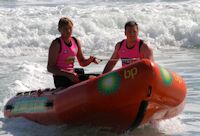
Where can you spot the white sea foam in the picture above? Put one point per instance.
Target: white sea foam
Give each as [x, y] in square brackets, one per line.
[171, 126]
[99, 27]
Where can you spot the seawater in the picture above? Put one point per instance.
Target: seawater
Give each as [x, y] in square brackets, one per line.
[172, 27]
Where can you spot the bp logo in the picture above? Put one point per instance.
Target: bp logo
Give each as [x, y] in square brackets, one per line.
[109, 84]
[166, 76]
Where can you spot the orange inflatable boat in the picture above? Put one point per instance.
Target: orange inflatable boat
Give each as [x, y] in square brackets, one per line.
[122, 99]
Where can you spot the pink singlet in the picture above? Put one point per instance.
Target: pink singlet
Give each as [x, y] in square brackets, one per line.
[66, 57]
[129, 55]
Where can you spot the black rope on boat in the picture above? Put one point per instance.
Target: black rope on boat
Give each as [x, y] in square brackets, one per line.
[9, 107]
[140, 115]
[49, 104]
[141, 111]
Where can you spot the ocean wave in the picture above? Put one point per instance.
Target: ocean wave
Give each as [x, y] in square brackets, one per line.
[99, 27]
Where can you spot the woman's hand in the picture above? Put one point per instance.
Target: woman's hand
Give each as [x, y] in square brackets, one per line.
[95, 60]
[72, 76]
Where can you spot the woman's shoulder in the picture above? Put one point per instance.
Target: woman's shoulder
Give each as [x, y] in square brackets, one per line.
[55, 44]
[56, 40]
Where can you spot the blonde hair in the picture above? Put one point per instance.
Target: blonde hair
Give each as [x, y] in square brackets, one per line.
[65, 21]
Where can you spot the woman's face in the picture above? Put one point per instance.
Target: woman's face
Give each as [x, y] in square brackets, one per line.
[131, 32]
[66, 31]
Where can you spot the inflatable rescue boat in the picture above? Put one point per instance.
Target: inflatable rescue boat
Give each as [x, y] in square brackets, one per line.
[122, 99]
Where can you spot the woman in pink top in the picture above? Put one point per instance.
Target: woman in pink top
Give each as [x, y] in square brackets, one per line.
[130, 49]
[62, 53]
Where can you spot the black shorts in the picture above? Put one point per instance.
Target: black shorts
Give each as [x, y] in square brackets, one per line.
[62, 81]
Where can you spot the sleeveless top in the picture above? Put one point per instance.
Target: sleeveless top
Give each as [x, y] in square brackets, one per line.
[66, 57]
[129, 55]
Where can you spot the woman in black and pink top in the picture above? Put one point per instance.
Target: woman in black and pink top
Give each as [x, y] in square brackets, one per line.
[62, 53]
